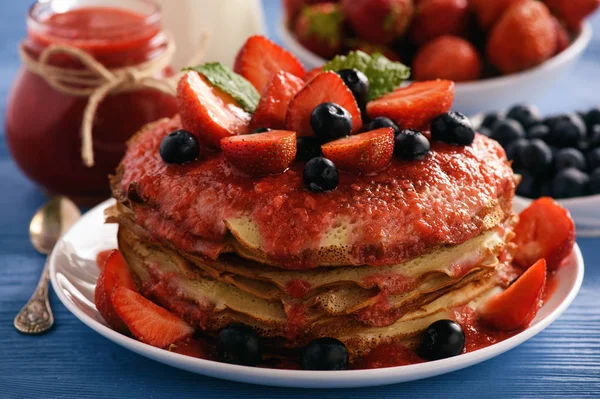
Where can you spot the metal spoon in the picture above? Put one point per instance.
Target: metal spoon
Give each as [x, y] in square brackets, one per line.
[48, 224]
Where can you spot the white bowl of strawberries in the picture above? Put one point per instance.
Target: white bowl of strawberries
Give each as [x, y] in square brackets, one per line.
[496, 52]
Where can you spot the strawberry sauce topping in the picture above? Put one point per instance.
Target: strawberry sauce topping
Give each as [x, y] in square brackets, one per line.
[403, 211]
[297, 288]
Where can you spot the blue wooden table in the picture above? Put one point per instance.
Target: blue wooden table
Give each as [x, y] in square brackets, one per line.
[72, 361]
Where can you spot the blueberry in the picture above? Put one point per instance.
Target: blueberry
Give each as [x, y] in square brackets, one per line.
[307, 148]
[261, 130]
[358, 83]
[489, 120]
[592, 117]
[442, 339]
[536, 157]
[325, 354]
[239, 345]
[179, 147]
[526, 115]
[506, 131]
[569, 158]
[569, 183]
[514, 149]
[566, 130]
[595, 182]
[538, 132]
[411, 144]
[382, 122]
[320, 174]
[594, 135]
[485, 131]
[528, 187]
[593, 158]
[452, 128]
[330, 122]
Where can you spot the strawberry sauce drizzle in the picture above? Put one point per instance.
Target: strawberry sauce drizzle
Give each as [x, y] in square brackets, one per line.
[297, 288]
[407, 203]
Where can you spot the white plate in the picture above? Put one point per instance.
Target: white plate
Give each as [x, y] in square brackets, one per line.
[486, 94]
[73, 272]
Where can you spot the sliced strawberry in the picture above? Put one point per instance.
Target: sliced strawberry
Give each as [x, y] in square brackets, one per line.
[517, 306]
[414, 106]
[312, 73]
[101, 258]
[261, 154]
[362, 153]
[207, 111]
[274, 102]
[147, 321]
[114, 274]
[545, 230]
[325, 87]
[192, 347]
[259, 59]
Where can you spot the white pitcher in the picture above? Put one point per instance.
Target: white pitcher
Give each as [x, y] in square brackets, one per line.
[226, 24]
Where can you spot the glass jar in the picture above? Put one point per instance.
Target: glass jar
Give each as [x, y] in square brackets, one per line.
[43, 125]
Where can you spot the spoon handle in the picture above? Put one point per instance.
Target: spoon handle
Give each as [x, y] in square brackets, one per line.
[36, 316]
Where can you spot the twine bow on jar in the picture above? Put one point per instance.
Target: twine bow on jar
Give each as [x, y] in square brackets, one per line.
[95, 81]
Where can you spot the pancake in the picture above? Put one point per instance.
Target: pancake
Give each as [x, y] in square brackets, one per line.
[351, 313]
[409, 209]
[210, 305]
[453, 261]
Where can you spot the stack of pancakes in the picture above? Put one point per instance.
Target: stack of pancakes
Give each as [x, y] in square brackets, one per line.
[362, 301]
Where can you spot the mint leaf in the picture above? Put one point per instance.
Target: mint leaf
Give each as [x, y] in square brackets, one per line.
[384, 75]
[231, 83]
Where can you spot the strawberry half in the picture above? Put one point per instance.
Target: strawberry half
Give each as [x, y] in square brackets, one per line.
[414, 106]
[274, 102]
[114, 274]
[147, 321]
[517, 306]
[362, 153]
[312, 73]
[102, 256]
[261, 154]
[545, 230]
[207, 111]
[325, 87]
[259, 59]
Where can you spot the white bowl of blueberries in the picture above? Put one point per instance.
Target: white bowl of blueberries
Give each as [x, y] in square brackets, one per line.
[557, 156]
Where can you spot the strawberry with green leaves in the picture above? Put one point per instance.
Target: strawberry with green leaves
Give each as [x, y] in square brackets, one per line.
[319, 28]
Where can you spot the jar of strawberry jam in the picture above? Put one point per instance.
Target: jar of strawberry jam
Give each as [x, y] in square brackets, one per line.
[44, 121]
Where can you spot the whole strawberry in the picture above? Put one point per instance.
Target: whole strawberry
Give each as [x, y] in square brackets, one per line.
[524, 37]
[563, 39]
[572, 12]
[435, 18]
[488, 12]
[447, 57]
[319, 29]
[379, 21]
[292, 8]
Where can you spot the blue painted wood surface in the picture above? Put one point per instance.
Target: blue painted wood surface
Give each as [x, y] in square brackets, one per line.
[72, 361]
